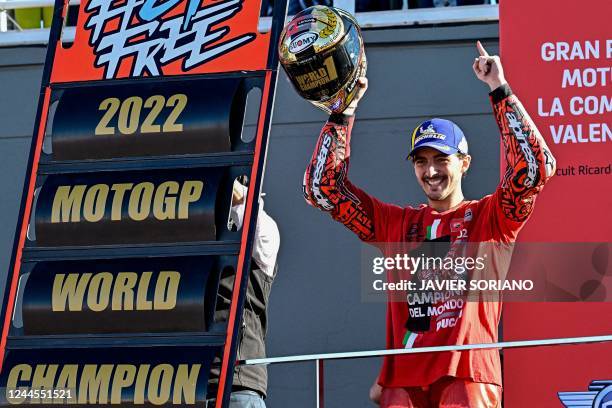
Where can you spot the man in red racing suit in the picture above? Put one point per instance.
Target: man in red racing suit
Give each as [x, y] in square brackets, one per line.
[439, 153]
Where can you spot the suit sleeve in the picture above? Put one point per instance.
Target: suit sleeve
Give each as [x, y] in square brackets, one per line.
[529, 163]
[327, 187]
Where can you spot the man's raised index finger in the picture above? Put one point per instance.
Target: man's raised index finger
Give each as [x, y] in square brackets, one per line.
[481, 49]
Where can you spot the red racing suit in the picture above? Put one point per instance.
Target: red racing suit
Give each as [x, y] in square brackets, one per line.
[496, 218]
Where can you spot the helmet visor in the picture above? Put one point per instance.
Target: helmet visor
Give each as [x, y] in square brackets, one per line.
[322, 75]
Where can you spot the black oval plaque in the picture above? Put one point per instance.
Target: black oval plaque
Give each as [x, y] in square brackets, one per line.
[147, 377]
[128, 208]
[155, 118]
[120, 296]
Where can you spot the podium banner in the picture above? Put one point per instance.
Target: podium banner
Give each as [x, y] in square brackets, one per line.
[557, 58]
[123, 225]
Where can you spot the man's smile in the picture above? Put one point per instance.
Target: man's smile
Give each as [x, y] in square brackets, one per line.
[435, 182]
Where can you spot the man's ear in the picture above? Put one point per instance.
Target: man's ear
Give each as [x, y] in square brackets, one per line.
[465, 164]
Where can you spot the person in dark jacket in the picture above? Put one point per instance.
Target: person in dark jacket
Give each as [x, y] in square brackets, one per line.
[249, 386]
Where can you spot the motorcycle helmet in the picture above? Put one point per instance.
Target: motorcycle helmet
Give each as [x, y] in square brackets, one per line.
[322, 52]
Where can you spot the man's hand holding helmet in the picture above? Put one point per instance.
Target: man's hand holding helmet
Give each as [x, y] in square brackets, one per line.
[362, 87]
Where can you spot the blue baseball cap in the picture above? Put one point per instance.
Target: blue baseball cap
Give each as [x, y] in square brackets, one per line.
[440, 134]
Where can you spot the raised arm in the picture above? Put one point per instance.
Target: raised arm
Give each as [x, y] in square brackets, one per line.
[326, 184]
[529, 162]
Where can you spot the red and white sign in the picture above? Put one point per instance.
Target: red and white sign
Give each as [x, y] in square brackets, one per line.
[558, 57]
[135, 38]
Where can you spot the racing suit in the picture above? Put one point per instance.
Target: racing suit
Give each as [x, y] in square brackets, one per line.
[496, 218]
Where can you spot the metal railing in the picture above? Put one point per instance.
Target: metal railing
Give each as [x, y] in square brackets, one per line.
[319, 359]
[374, 19]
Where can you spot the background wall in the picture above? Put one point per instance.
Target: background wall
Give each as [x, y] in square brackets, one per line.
[414, 73]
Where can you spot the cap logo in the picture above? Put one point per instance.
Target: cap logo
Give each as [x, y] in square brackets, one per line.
[429, 133]
[439, 136]
[430, 129]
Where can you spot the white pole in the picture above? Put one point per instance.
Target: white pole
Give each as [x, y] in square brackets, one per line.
[461, 347]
